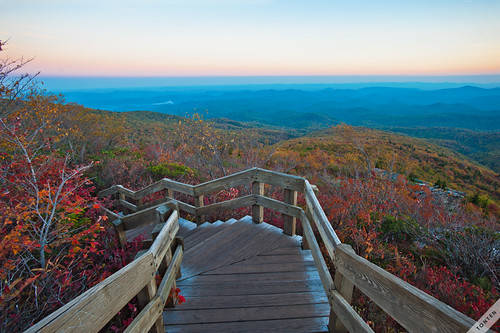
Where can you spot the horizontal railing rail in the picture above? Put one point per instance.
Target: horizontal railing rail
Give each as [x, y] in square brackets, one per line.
[412, 308]
[93, 309]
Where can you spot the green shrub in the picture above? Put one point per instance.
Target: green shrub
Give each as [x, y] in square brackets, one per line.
[171, 170]
[394, 229]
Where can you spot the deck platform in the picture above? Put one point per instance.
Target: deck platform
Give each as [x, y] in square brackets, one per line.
[238, 276]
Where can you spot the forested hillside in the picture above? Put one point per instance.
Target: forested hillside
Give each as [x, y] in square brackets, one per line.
[483, 147]
[346, 150]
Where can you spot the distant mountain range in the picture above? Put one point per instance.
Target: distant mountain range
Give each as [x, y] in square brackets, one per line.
[466, 107]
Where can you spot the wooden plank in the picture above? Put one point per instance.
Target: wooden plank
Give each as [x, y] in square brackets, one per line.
[302, 325]
[186, 228]
[411, 307]
[110, 214]
[171, 274]
[199, 203]
[345, 289]
[279, 259]
[236, 246]
[223, 183]
[151, 314]
[143, 217]
[319, 261]
[147, 317]
[260, 268]
[280, 276]
[232, 301]
[257, 210]
[290, 222]
[280, 179]
[278, 206]
[247, 314]
[244, 201]
[328, 235]
[218, 250]
[90, 311]
[201, 235]
[107, 192]
[125, 192]
[178, 187]
[165, 238]
[350, 318]
[143, 230]
[120, 232]
[150, 189]
[190, 209]
[263, 238]
[284, 251]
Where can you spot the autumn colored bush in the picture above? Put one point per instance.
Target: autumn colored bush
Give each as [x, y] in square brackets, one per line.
[403, 229]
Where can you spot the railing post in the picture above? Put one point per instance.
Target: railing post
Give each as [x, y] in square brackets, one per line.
[345, 288]
[257, 210]
[144, 297]
[120, 231]
[198, 202]
[170, 193]
[290, 222]
[140, 203]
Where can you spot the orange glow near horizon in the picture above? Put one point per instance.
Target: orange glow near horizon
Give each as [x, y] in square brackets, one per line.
[254, 38]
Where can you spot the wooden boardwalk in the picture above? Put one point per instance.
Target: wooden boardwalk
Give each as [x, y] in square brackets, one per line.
[241, 276]
[238, 276]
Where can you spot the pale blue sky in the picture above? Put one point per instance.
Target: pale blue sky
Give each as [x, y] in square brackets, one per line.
[254, 37]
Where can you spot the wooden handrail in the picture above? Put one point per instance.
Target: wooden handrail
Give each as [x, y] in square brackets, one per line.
[409, 306]
[154, 309]
[93, 309]
[412, 308]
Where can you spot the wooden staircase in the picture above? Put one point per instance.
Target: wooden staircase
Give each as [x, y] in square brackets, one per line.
[243, 275]
[239, 276]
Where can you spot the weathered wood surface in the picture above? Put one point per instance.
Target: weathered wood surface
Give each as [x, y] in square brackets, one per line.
[244, 201]
[238, 241]
[90, 311]
[151, 315]
[257, 210]
[290, 222]
[223, 183]
[233, 282]
[280, 179]
[411, 307]
[279, 206]
[345, 289]
[242, 261]
[302, 325]
[328, 235]
[351, 320]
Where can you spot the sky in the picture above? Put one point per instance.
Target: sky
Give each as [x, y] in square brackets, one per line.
[253, 37]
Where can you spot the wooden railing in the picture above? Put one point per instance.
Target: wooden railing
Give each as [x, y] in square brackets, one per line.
[415, 310]
[93, 309]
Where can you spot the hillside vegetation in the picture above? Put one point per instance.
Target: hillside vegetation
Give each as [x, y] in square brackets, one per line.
[483, 147]
[346, 150]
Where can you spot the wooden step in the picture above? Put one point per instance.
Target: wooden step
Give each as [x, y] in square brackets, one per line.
[204, 316]
[231, 301]
[248, 288]
[202, 234]
[186, 227]
[248, 277]
[301, 325]
[279, 276]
